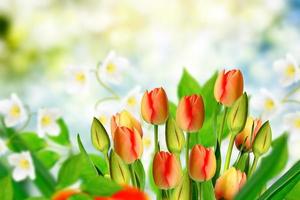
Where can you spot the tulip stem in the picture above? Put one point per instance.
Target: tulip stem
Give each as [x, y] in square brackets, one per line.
[222, 125]
[253, 166]
[200, 191]
[229, 152]
[156, 138]
[107, 162]
[187, 149]
[132, 175]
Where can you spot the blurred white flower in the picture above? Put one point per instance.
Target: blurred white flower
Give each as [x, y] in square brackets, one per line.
[47, 122]
[112, 68]
[105, 110]
[132, 101]
[3, 147]
[288, 70]
[292, 122]
[23, 166]
[13, 110]
[266, 103]
[78, 79]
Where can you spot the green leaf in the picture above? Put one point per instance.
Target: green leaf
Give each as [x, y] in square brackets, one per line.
[76, 167]
[32, 140]
[187, 85]
[80, 197]
[63, 137]
[6, 192]
[294, 194]
[70, 170]
[140, 174]
[208, 190]
[182, 190]
[90, 165]
[37, 198]
[283, 185]
[172, 109]
[18, 187]
[99, 162]
[265, 172]
[100, 186]
[48, 158]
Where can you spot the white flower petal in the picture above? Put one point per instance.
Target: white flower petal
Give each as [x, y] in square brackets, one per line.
[19, 174]
[53, 129]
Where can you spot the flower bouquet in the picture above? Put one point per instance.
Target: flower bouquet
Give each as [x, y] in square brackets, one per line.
[196, 163]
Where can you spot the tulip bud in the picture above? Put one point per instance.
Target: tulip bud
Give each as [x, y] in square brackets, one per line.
[166, 170]
[229, 87]
[229, 184]
[262, 140]
[202, 163]
[124, 118]
[174, 136]
[154, 106]
[100, 137]
[190, 113]
[182, 191]
[237, 115]
[118, 169]
[247, 136]
[128, 144]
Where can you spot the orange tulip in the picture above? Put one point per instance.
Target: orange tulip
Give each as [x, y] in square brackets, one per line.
[154, 106]
[190, 113]
[166, 170]
[229, 184]
[244, 137]
[65, 194]
[229, 86]
[128, 144]
[127, 193]
[124, 118]
[202, 163]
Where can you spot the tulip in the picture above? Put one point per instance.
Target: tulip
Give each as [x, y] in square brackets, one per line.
[190, 113]
[124, 118]
[247, 136]
[202, 163]
[128, 144]
[229, 87]
[64, 194]
[174, 136]
[100, 139]
[229, 184]
[166, 170]
[154, 106]
[127, 193]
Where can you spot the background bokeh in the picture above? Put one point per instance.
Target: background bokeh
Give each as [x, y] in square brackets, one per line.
[40, 39]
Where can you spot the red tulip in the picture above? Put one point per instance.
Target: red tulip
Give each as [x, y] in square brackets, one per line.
[154, 106]
[65, 194]
[190, 113]
[128, 144]
[244, 137]
[229, 184]
[166, 170]
[127, 193]
[229, 87]
[202, 163]
[124, 118]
